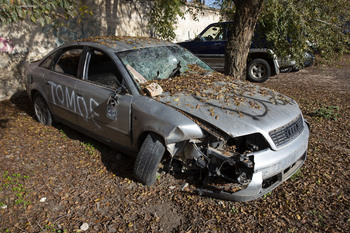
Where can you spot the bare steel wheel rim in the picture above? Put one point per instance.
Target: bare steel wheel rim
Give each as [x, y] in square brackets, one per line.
[258, 71]
[41, 110]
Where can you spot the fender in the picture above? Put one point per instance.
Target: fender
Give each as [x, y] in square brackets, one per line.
[169, 123]
[33, 83]
[271, 54]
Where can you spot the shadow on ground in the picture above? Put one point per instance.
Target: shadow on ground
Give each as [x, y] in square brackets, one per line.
[114, 161]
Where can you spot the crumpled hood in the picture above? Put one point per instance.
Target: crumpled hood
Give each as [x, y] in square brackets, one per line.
[236, 108]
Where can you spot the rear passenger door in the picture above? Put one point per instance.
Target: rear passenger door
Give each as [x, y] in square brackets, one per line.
[60, 79]
[104, 102]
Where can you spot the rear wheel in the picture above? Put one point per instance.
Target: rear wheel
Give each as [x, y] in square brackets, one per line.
[258, 70]
[148, 159]
[42, 111]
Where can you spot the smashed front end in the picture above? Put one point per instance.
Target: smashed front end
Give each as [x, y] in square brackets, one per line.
[246, 168]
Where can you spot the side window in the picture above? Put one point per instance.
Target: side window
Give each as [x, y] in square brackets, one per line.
[102, 70]
[68, 63]
[48, 61]
[214, 33]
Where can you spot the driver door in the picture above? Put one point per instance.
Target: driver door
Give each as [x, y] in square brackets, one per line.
[210, 46]
[105, 112]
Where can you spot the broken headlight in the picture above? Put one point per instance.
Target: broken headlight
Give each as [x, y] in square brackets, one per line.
[225, 157]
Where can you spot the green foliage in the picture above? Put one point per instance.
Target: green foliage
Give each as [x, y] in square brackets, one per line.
[283, 27]
[234, 210]
[50, 227]
[227, 8]
[64, 135]
[164, 17]
[13, 190]
[327, 112]
[297, 175]
[43, 12]
[89, 147]
[266, 195]
[291, 24]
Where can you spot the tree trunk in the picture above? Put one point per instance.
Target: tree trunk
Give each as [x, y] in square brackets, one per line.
[240, 36]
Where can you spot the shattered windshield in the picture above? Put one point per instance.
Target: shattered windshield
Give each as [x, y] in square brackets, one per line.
[157, 63]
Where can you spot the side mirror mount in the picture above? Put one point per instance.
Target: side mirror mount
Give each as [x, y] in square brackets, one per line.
[121, 90]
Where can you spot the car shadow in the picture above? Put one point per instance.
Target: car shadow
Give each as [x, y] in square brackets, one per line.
[22, 102]
[114, 161]
[119, 164]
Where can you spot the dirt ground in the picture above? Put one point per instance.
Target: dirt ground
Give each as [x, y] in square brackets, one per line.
[56, 179]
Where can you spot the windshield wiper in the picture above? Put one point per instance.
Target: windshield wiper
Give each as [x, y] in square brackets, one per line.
[156, 77]
[176, 71]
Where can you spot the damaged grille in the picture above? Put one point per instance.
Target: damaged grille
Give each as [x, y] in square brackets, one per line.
[287, 132]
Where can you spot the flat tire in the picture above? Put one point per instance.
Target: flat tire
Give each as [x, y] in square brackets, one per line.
[148, 159]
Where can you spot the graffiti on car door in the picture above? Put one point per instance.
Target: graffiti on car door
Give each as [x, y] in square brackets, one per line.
[69, 99]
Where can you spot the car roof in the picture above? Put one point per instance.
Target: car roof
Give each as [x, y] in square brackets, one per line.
[123, 43]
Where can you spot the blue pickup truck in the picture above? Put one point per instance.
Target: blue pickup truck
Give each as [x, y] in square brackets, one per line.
[262, 62]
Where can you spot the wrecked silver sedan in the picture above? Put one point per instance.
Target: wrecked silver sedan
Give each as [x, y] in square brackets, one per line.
[153, 99]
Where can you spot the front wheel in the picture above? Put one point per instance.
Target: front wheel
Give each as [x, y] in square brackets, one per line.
[258, 70]
[42, 111]
[148, 159]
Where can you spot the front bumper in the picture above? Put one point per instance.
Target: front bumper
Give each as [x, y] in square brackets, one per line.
[270, 170]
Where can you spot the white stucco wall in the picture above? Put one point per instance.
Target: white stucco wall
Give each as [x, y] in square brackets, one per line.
[188, 28]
